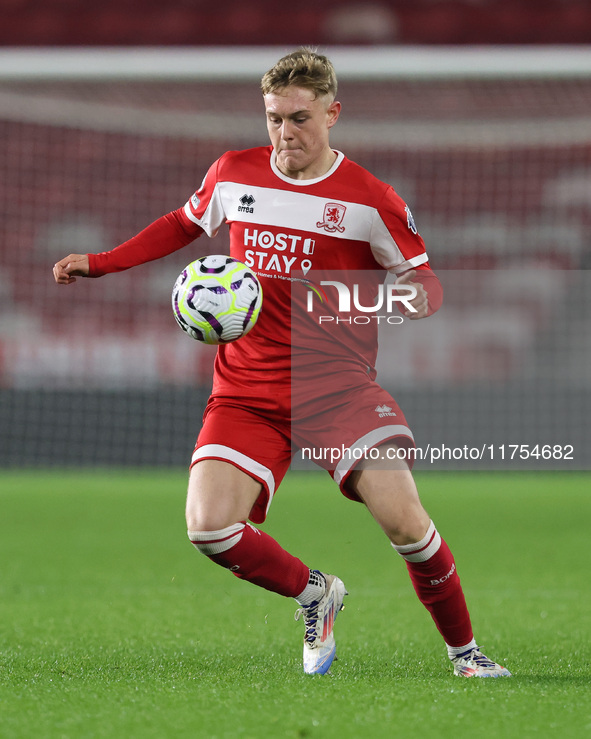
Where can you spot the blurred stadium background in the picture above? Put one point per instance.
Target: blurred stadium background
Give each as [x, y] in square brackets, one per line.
[489, 143]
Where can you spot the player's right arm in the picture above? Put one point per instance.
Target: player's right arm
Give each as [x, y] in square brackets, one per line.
[67, 269]
[166, 235]
[203, 213]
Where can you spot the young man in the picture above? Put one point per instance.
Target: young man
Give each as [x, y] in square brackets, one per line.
[308, 205]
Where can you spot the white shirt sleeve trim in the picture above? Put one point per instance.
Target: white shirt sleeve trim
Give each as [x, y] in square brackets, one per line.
[409, 263]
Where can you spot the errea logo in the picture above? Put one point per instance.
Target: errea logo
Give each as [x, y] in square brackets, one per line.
[384, 410]
[247, 203]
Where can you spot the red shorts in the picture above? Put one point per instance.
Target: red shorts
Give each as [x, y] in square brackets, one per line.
[262, 444]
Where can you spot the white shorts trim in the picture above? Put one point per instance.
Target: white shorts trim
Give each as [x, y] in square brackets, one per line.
[372, 439]
[246, 464]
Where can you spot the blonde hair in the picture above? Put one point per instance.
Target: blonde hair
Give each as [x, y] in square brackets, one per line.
[302, 68]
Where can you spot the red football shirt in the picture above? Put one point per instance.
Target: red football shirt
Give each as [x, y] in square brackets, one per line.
[346, 226]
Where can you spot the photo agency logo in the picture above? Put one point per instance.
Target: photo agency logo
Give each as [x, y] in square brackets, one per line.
[346, 306]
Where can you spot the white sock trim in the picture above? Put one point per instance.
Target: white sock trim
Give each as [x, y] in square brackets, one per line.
[454, 651]
[215, 542]
[422, 550]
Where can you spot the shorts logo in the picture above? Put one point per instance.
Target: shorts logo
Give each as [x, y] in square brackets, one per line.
[410, 221]
[384, 410]
[194, 201]
[332, 217]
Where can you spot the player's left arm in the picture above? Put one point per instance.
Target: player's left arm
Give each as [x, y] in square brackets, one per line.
[429, 295]
[398, 246]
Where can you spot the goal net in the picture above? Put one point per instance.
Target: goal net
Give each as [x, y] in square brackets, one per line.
[490, 148]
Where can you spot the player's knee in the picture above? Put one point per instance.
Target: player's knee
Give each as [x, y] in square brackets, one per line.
[408, 529]
[207, 518]
[207, 512]
[215, 499]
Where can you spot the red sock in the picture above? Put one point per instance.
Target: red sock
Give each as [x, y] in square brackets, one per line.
[254, 556]
[434, 577]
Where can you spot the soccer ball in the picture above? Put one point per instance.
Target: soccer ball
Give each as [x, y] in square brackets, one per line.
[217, 299]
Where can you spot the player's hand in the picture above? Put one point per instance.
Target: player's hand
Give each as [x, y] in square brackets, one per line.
[420, 303]
[67, 269]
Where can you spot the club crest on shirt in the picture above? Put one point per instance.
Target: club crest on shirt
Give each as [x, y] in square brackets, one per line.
[332, 217]
[410, 221]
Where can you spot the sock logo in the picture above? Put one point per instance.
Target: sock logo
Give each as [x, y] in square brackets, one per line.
[445, 577]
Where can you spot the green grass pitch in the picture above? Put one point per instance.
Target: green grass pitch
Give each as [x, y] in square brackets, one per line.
[112, 625]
